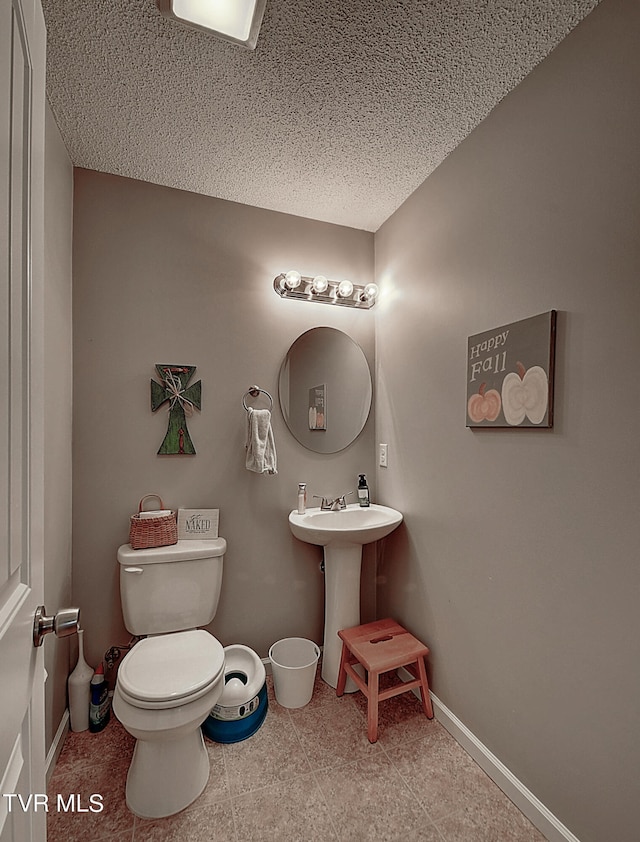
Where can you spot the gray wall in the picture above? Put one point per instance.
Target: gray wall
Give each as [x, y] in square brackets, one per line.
[164, 276]
[518, 559]
[58, 198]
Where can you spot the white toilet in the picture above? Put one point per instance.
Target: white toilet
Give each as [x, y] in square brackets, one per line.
[170, 681]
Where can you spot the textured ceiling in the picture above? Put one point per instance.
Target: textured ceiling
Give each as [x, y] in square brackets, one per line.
[342, 110]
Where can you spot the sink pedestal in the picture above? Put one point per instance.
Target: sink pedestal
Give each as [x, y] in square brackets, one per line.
[342, 533]
[341, 605]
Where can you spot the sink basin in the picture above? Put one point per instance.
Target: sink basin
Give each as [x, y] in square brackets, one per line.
[342, 535]
[353, 525]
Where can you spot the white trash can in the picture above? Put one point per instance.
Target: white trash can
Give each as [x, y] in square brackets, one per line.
[294, 661]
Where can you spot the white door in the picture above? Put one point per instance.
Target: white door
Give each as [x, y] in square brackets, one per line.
[22, 73]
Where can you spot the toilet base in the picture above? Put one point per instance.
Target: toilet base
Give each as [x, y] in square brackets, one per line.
[166, 776]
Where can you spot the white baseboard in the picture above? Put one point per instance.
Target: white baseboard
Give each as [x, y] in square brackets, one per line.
[56, 745]
[513, 788]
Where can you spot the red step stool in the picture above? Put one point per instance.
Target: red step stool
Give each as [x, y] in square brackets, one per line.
[380, 647]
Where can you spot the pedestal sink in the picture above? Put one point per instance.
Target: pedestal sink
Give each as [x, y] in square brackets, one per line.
[342, 534]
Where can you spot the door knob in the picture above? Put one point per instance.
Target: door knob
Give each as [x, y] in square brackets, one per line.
[64, 623]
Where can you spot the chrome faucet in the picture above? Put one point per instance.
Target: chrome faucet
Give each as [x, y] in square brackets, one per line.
[334, 504]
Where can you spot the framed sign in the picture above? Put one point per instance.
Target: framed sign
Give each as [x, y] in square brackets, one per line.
[510, 374]
[196, 524]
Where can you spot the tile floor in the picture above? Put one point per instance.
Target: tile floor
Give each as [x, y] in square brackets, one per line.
[307, 774]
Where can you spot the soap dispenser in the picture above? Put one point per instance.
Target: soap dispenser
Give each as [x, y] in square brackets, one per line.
[302, 498]
[363, 491]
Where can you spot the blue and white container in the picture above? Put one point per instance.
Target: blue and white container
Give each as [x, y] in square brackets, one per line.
[242, 707]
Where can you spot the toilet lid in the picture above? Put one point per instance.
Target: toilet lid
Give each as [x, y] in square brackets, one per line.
[171, 666]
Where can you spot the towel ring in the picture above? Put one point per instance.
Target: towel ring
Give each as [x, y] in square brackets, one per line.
[254, 391]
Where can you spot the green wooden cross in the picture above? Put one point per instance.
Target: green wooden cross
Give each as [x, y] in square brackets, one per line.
[182, 402]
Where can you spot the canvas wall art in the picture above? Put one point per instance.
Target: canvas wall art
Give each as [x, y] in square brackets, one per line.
[510, 372]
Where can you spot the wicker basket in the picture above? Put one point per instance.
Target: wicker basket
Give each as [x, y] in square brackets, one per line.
[152, 531]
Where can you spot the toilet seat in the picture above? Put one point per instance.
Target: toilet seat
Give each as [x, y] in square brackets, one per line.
[170, 670]
[244, 675]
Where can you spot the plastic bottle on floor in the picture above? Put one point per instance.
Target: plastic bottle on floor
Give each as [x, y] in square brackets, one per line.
[79, 686]
[100, 708]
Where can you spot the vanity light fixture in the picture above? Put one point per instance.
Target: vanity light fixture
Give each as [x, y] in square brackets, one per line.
[304, 288]
[237, 21]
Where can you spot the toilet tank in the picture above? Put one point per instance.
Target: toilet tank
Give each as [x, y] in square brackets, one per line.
[169, 589]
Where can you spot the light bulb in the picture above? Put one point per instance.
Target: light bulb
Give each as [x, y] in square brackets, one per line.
[345, 289]
[320, 284]
[292, 279]
[369, 292]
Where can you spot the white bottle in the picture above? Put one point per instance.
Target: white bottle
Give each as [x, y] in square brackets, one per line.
[79, 685]
[302, 498]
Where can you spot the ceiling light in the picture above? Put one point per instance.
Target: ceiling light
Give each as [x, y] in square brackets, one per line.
[237, 21]
[302, 288]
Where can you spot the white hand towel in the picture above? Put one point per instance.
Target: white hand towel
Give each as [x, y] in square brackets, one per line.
[261, 449]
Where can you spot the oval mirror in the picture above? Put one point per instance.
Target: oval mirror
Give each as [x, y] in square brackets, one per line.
[325, 389]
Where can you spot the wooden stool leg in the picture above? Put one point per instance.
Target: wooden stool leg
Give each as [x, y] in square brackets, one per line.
[372, 707]
[424, 689]
[342, 674]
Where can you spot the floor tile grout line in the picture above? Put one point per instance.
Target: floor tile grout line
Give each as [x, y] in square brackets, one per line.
[228, 782]
[330, 769]
[322, 768]
[314, 773]
[329, 810]
[408, 785]
[434, 822]
[311, 773]
[251, 792]
[234, 797]
[300, 741]
[352, 700]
